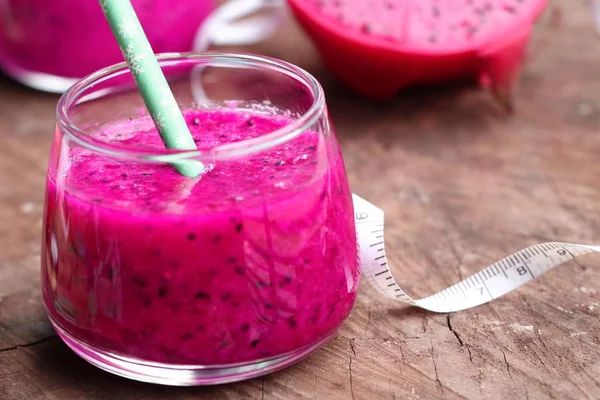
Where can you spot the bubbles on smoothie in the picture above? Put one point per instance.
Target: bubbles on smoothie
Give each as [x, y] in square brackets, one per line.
[300, 158]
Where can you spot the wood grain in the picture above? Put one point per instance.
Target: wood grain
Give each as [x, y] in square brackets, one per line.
[462, 185]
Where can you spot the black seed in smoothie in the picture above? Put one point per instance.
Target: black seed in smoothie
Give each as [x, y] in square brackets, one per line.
[139, 282]
[316, 313]
[187, 336]
[245, 327]
[191, 236]
[232, 260]
[280, 163]
[202, 296]
[146, 174]
[292, 322]
[311, 148]
[225, 343]
[239, 227]
[269, 305]
[103, 180]
[306, 261]
[111, 311]
[162, 291]
[124, 176]
[239, 270]
[225, 297]
[78, 247]
[254, 343]
[272, 177]
[235, 304]
[331, 311]
[116, 187]
[216, 239]
[287, 279]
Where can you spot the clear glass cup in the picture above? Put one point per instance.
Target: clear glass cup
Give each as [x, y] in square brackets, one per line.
[166, 279]
[49, 44]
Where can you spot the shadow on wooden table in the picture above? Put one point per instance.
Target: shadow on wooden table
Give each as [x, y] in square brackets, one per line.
[8, 84]
[459, 105]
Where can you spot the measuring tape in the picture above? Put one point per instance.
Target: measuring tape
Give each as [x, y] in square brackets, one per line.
[486, 285]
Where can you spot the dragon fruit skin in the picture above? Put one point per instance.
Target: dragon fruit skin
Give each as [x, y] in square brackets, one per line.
[379, 68]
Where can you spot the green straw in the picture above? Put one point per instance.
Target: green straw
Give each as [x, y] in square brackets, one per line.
[151, 82]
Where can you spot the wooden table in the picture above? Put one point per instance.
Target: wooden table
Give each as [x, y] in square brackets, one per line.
[462, 185]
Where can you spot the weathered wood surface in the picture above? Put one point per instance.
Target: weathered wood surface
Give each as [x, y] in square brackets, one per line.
[462, 186]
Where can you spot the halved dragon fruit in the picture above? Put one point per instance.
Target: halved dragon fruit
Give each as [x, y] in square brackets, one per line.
[381, 46]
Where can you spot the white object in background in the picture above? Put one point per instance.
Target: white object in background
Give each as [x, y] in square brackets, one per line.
[236, 23]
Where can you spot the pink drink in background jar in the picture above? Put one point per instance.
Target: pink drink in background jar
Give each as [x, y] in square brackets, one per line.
[48, 44]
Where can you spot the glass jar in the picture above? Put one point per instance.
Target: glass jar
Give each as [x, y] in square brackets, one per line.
[49, 44]
[243, 271]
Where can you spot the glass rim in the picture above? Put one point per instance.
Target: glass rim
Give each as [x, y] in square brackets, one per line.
[219, 152]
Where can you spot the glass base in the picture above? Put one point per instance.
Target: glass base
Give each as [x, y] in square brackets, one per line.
[36, 80]
[182, 375]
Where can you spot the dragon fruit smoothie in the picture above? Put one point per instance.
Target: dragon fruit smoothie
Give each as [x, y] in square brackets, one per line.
[254, 260]
[70, 38]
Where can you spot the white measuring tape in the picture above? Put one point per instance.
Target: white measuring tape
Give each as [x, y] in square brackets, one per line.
[486, 285]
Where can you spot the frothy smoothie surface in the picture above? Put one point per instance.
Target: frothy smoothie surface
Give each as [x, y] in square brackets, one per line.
[254, 260]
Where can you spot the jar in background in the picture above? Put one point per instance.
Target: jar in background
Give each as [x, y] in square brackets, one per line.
[49, 44]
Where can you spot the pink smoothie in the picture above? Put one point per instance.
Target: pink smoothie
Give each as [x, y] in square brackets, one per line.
[256, 259]
[71, 38]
